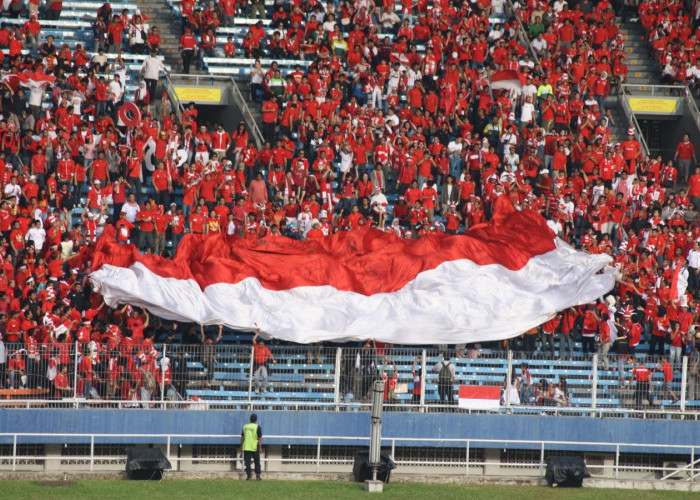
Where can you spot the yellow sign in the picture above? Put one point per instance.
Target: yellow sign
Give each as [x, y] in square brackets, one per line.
[198, 94]
[653, 105]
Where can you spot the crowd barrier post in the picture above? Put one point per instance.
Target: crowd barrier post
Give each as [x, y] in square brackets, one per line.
[424, 380]
[75, 371]
[684, 381]
[594, 385]
[162, 379]
[250, 374]
[509, 379]
[468, 446]
[336, 378]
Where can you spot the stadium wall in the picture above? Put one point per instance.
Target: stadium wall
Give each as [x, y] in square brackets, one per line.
[395, 425]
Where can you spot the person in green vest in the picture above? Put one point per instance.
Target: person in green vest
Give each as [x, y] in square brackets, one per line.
[251, 442]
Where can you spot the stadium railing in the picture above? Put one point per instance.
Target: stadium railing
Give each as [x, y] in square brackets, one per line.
[625, 457]
[316, 377]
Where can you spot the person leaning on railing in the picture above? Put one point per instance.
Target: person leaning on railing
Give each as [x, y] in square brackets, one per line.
[209, 350]
[261, 356]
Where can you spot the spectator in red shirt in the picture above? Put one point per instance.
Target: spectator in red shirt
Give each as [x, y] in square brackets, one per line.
[642, 377]
[685, 158]
[198, 221]
[17, 371]
[261, 357]
[667, 369]
[146, 219]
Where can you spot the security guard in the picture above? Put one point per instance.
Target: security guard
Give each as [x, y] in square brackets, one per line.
[251, 443]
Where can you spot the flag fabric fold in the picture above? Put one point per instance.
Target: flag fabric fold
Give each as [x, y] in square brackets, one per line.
[35, 79]
[495, 282]
[506, 79]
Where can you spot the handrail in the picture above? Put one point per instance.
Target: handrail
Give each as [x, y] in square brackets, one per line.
[197, 78]
[623, 99]
[652, 89]
[237, 390]
[297, 437]
[692, 106]
[247, 115]
[168, 440]
[170, 88]
[688, 467]
[261, 404]
[522, 34]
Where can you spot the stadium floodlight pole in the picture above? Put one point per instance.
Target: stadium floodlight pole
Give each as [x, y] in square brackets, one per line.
[375, 437]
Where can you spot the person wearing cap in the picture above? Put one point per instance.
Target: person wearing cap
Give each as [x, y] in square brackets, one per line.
[315, 232]
[453, 219]
[31, 28]
[251, 444]
[601, 90]
[326, 226]
[631, 152]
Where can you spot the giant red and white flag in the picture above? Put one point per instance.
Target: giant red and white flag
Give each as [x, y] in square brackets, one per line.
[493, 283]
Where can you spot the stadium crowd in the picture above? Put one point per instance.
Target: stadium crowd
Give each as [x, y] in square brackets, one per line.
[394, 123]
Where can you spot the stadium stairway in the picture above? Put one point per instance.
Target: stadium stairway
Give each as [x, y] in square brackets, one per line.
[643, 69]
[642, 66]
[171, 29]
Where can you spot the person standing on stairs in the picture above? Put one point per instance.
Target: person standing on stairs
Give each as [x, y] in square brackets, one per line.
[188, 47]
[150, 71]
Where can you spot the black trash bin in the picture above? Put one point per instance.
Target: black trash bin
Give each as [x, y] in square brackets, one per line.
[362, 470]
[566, 471]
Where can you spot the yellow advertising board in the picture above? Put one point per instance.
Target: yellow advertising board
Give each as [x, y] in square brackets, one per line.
[198, 94]
[665, 106]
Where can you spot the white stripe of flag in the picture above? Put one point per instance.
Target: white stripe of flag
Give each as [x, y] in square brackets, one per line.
[479, 397]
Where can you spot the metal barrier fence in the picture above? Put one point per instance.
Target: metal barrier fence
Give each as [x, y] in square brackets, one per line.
[623, 461]
[315, 377]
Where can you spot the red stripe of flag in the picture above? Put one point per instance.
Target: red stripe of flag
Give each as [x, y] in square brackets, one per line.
[479, 392]
[365, 261]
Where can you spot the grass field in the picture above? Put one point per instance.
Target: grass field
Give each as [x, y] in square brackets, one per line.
[277, 490]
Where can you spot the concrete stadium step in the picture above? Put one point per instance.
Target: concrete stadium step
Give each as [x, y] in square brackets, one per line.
[170, 28]
[642, 67]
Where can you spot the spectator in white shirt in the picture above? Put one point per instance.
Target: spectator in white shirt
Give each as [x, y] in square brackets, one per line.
[13, 189]
[694, 268]
[555, 225]
[539, 45]
[131, 208]
[151, 68]
[36, 234]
